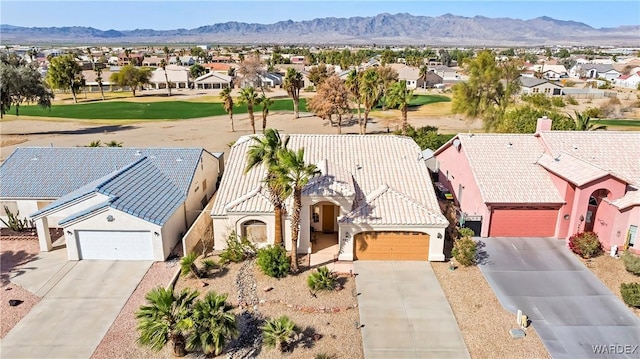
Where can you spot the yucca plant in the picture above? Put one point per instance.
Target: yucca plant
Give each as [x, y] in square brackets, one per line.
[166, 318]
[278, 332]
[213, 324]
[322, 279]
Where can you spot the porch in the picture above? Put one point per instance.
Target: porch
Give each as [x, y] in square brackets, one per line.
[325, 248]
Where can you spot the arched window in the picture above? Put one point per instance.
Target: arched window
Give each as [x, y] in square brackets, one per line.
[255, 231]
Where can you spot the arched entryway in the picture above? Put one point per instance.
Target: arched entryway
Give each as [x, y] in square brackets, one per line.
[324, 227]
[595, 200]
[255, 231]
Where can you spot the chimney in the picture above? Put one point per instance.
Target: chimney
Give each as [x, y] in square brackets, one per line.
[543, 124]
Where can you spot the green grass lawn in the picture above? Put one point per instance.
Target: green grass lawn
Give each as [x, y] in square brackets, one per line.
[162, 110]
[618, 123]
[419, 100]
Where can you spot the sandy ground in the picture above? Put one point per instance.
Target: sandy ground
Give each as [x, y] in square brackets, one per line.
[612, 273]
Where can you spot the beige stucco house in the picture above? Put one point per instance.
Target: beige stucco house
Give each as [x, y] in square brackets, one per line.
[373, 199]
[112, 203]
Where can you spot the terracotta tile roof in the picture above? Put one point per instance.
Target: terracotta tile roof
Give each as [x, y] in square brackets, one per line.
[505, 169]
[572, 169]
[630, 199]
[617, 152]
[370, 161]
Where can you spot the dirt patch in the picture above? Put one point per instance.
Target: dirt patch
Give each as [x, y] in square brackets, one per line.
[612, 273]
[483, 322]
[12, 140]
[14, 254]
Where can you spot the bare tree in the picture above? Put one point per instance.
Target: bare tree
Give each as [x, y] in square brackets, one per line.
[331, 99]
[251, 68]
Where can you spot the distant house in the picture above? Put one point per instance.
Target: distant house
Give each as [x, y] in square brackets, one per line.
[549, 72]
[531, 85]
[297, 59]
[271, 79]
[594, 71]
[218, 67]
[152, 61]
[133, 59]
[629, 81]
[186, 60]
[409, 74]
[447, 73]
[213, 80]
[178, 77]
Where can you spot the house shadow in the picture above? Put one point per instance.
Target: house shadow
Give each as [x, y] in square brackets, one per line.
[248, 344]
[9, 263]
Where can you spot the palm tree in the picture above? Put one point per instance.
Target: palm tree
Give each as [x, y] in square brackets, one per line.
[265, 102]
[424, 71]
[163, 64]
[292, 173]
[113, 143]
[277, 332]
[188, 265]
[399, 96]
[214, 324]
[166, 318]
[584, 123]
[95, 143]
[226, 97]
[293, 83]
[264, 151]
[370, 94]
[98, 71]
[249, 96]
[352, 84]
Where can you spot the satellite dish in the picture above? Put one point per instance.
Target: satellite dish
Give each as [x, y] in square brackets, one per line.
[456, 144]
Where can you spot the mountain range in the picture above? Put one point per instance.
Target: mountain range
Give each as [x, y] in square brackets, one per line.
[401, 29]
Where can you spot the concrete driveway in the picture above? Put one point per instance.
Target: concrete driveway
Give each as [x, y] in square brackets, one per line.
[404, 313]
[575, 315]
[80, 301]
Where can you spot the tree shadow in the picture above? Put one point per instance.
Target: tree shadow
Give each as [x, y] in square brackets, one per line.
[482, 257]
[307, 338]
[82, 131]
[9, 260]
[248, 344]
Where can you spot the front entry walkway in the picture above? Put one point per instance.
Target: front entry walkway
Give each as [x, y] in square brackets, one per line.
[80, 301]
[404, 313]
[575, 315]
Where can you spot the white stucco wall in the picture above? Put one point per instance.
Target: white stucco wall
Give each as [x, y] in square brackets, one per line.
[208, 171]
[122, 222]
[222, 227]
[172, 231]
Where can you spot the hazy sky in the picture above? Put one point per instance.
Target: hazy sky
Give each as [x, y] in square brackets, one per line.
[128, 15]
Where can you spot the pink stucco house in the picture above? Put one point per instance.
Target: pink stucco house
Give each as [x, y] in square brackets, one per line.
[547, 184]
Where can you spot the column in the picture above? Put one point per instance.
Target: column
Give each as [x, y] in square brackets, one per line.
[42, 226]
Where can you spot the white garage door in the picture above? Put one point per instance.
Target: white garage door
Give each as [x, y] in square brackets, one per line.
[120, 245]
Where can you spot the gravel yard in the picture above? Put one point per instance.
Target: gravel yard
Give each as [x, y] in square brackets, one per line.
[482, 320]
[612, 273]
[15, 253]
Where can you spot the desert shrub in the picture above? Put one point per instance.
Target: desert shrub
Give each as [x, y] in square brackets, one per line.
[238, 249]
[593, 112]
[614, 101]
[585, 244]
[464, 248]
[631, 262]
[572, 101]
[557, 102]
[278, 332]
[630, 294]
[538, 100]
[322, 279]
[309, 89]
[324, 356]
[188, 265]
[209, 264]
[569, 83]
[273, 261]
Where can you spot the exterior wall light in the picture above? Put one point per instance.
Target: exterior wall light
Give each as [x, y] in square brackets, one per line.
[110, 218]
[439, 235]
[566, 217]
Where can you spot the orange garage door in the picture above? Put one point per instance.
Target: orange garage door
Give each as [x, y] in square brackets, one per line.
[523, 222]
[391, 246]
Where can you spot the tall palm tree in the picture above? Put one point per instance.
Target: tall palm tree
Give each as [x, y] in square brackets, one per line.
[166, 318]
[249, 97]
[227, 99]
[370, 94]
[292, 173]
[352, 84]
[293, 82]
[584, 122]
[98, 72]
[264, 102]
[424, 71]
[214, 324]
[400, 97]
[163, 65]
[264, 151]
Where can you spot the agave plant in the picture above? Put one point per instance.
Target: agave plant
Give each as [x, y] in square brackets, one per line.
[322, 279]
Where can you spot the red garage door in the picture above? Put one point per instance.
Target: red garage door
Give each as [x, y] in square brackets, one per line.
[523, 222]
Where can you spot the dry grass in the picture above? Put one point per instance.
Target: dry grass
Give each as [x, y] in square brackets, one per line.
[482, 320]
[12, 140]
[612, 273]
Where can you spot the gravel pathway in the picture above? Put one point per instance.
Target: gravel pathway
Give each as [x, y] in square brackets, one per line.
[248, 343]
[14, 254]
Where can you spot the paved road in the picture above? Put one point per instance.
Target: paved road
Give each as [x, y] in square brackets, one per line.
[570, 308]
[80, 301]
[404, 312]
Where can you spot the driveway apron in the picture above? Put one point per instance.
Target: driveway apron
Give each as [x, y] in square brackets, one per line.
[76, 312]
[404, 313]
[573, 312]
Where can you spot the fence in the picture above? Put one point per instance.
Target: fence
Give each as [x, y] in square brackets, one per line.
[201, 232]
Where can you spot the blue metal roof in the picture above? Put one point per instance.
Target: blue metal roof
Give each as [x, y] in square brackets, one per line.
[147, 183]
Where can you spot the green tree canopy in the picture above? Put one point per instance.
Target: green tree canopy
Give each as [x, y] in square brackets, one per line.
[197, 70]
[523, 119]
[131, 76]
[21, 82]
[65, 74]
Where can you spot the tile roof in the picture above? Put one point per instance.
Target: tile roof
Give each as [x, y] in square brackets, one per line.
[571, 168]
[616, 152]
[533, 82]
[369, 161]
[147, 183]
[630, 199]
[505, 169]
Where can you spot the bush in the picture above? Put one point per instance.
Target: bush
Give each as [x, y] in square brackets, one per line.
[538, 100]
[273, 261]
[631, 294]
[585, 244]
[631, 262]
[464, 248]
[569, 83]
[571, 100]
[322, 279]
[557, 102]
[278, 332]
[238, 249]
[188, 265]
[209, 264]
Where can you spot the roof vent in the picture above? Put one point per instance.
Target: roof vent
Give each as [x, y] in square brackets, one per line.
[178, 159]
[138, 153]
[510, 144]
[358, 167]
[575, 147]
[34, 159]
